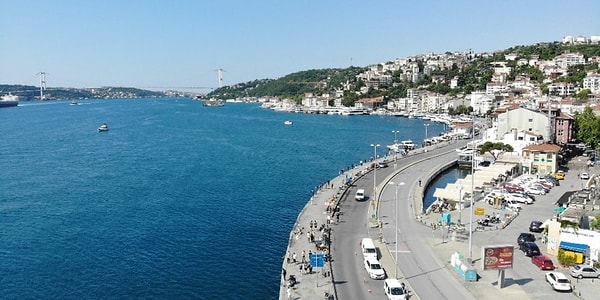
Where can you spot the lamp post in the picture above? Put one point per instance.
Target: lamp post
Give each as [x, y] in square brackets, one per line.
[459, 204]
[472, 193]
[395, 132]
[426, 125]
[396, 223]
[375, 171]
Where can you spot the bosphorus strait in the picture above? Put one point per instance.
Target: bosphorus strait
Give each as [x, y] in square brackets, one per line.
[175, 201]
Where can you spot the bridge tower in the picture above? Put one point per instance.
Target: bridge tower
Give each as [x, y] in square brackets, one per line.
[42, 84]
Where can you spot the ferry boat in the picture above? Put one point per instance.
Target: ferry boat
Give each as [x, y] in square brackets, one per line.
[213, 102]
[9, 100]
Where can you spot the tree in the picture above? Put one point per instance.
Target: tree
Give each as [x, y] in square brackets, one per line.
[495, 149]
[588, 127]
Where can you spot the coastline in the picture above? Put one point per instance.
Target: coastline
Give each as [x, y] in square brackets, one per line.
[322, 206]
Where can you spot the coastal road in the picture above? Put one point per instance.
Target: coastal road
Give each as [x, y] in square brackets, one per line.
[424, 269]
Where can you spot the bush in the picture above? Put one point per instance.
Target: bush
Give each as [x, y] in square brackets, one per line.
[565, 260]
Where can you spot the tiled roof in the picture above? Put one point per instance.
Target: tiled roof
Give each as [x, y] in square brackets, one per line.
[543, 148]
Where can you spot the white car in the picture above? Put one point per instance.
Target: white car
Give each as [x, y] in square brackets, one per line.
[536, 190]
[558, 281]
[584, 175]
[511, 204]
[520, 198]
[374, 269]
[394, 290]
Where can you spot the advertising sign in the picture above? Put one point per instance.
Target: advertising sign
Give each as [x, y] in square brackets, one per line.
[497, 257]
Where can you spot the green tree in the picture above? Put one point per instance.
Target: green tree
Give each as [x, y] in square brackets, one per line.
[588, 127]
[495, 149]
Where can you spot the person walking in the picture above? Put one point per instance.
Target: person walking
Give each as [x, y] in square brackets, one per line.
[294, 257]
[289, 293]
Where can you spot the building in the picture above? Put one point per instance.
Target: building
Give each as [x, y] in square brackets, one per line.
[542, 158]
[522, 119]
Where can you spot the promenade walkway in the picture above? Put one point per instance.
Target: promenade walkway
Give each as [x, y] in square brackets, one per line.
[313, 221]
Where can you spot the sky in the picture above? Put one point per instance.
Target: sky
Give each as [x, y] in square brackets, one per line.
[180, 44]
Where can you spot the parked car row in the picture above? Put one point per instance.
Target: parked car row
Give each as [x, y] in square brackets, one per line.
[393, 289]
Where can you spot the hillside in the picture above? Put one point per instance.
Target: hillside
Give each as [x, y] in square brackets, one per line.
[472, 72]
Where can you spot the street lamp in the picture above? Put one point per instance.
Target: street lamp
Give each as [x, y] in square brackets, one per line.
[375, 171]
[459, 204]
[472, 193]
[426, 125]
[395, 132]
[396, 222]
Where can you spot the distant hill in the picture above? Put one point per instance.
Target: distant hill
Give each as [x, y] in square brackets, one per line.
[473, 72]
[27, 92]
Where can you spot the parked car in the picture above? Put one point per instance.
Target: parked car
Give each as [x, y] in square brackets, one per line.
[512, 204]
[558, 281]
[545, 184]
[560, 175]
[511, 187]
[525, 237]
[525, 194]
[394, 290]
[536, 190]
[552, 179]
[581, 271]
[584, 175]
[530, 249]
[543, 262]
[382, 164]
[374, 268]
[521, 199]
[536, 226]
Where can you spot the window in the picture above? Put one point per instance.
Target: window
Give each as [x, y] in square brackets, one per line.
[561, 122]
[530, 120]
[561, 132]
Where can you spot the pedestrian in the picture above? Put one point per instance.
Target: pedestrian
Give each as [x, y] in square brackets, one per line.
[303, 256]
[284, 273]
[308, 235]
[289, 293]
[294, 257]
[288, 257]
[419, 182]
[337, 217]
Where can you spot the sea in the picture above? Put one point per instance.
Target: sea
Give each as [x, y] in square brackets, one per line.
[175, 201]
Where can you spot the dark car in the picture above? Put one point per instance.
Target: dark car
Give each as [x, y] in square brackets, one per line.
[525, 237]
[530, 249]
[536, 226]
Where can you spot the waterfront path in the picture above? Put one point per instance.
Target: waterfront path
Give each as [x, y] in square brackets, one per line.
[321, 206]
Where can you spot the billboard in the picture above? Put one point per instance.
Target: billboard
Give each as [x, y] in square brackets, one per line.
[497, 257]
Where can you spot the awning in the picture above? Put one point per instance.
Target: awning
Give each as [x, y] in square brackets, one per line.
[574, 247]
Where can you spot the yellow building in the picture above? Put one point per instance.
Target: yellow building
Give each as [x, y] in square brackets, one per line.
[542, 158]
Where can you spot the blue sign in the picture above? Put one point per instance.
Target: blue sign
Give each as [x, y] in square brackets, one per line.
[317, 260]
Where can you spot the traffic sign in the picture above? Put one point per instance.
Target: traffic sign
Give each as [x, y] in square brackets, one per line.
[317, 260]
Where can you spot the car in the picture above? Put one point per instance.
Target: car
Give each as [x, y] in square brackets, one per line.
[536, 226]
[543, 262]
[512, 204]
[519, 198]
[581, 271]
[360, 195]
[530, 249]
[584, 175]
[545, 184]
[524, 194]
[552, 179]
[560, 175]
[525, 237]
[536, 190]
[558, 281]
[511, 187]
[394, 290]
[374, 268]
[382, 164]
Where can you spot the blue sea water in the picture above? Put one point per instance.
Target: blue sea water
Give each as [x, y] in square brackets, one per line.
[176, 200]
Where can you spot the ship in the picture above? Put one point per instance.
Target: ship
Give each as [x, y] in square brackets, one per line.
[213, 102]
[9, 100]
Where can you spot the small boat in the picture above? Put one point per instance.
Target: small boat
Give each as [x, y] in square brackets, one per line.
[288, 122]
[73, 102]
[103, 127]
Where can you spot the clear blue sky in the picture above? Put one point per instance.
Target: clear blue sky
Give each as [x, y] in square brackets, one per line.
[177, 43]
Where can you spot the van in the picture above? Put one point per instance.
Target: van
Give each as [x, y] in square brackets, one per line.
[360, 195]
[368, 249]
